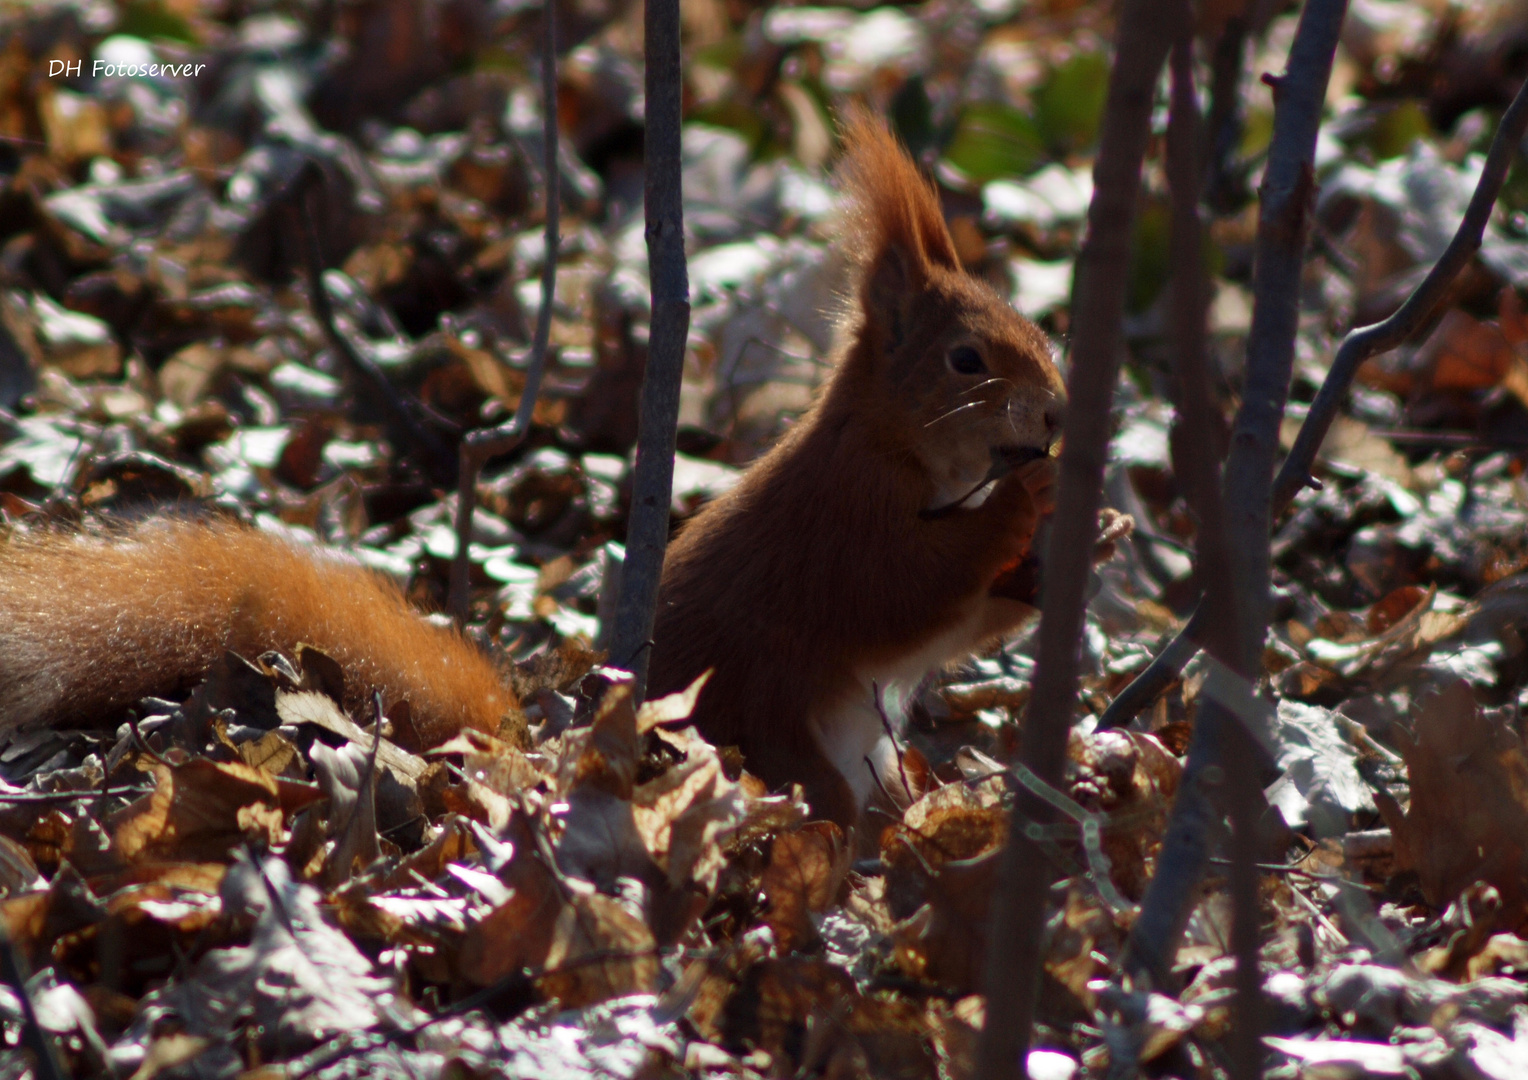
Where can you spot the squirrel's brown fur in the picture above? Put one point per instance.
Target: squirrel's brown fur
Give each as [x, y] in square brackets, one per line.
[847, 562]
[822, 579]
[90, 623]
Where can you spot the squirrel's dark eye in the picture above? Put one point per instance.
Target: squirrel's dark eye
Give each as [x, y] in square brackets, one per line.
[965, 360]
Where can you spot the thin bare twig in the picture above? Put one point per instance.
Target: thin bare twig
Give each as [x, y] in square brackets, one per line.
[1165, 667]
[1368, 341]
[1220, 742]
[653, 475]
[13, 973]
[1088, 831]
[372, 380]
[1017, 921]
[1202, 481]
[1198, 413]
[143, 743]
[875, 776]
[1359, 345]
[46, 798]
[478, 446]
[891, 735]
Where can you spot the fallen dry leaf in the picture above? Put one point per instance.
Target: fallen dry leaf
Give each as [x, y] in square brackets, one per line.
[806, 868]
[348, 777]
[686, 814]
[311, 707]
[1466, 354]
[599, 950]
[201, 811]
[1468, 818]
[302, 979]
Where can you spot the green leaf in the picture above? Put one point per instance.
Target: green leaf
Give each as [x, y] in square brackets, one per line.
[1395, 129]
[739, 117]
[993, 141]
[726, 53]
[1257, 132]
[1070, 104]
[1151, 265]
[150, 19]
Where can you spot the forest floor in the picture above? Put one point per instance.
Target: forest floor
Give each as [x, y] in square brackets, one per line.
[247, 882]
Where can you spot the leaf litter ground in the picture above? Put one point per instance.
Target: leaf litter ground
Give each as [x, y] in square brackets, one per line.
[249, 881]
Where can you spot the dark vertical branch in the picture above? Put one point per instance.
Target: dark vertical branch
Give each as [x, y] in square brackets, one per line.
[1287, 197]
[478, 446]
[1198, 417]
[1224, 187]
[1018, 917]
[653, 476]
[1199, 420]
[1220, 741]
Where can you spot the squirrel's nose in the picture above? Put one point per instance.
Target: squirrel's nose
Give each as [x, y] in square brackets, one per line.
[1054, 414]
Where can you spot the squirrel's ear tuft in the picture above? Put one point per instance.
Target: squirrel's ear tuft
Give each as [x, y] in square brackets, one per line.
[893, 211]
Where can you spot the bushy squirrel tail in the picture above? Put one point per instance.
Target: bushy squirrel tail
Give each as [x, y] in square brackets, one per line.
[90, 622]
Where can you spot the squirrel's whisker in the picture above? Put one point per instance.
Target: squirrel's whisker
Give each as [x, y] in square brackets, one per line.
[952, 412]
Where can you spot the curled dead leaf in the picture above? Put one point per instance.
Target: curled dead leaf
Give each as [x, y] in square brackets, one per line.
[599, 950]
[200, 812]
[806, 868]
[1468, 818]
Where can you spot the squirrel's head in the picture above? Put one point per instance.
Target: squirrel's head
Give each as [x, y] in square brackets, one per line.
[947, 368]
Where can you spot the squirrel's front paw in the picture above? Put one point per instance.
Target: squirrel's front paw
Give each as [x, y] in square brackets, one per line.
[1028, 493]
[1113, 527]
[1039, 479]
[1020, 501]
[1020, 580]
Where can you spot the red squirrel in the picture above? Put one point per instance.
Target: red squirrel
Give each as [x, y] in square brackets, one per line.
[859, 554]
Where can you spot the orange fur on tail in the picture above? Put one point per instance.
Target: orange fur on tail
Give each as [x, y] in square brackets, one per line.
[89, 624]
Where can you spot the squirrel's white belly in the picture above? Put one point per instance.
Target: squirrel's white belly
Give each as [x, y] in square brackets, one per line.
[853, 735]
